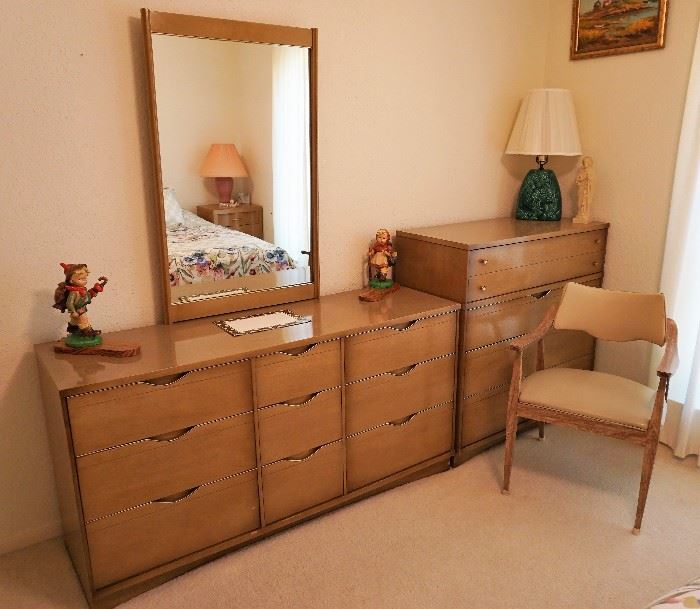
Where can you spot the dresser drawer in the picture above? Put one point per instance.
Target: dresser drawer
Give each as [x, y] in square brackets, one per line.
[484, 415]
[386, 450]
[133, 474]
[150, 408]
[394, 347]
[396, 394]
[297, 483]
[507, 319]
[498, 258]
[288, 374]
[296, 426]
[524, 277]
[153, 534]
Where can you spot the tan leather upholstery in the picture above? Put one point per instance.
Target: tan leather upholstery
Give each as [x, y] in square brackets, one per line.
[610, 315]
[594, 394]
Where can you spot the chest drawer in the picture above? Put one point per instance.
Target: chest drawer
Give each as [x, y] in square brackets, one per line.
[288, 374]
[163, 530]
[532, 275]
[394, 347]
[498, 258]
[395, 446]
[398, 393]
[490, 324]
[291, 428]
[133, 412]
[133, 474]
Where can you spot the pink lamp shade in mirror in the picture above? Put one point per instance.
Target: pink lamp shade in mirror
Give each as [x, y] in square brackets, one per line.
[223, 163]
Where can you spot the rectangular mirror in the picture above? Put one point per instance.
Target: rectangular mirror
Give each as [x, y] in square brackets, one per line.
[233, 115]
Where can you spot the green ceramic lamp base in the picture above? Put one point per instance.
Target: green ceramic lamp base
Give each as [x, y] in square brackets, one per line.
[540, 196]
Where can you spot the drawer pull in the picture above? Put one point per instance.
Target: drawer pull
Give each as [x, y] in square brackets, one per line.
[300, 350]
[404, 327]
[166, 380]
[596, 263]
[303, 456]
[404, 421]
[541, 294]
[171, 436]
[482, 288]
[302, 401]
[403, 371]
[597, 241]
[483, 261]
[177, 497]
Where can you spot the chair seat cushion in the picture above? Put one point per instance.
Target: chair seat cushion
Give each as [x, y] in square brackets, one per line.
[594, 394]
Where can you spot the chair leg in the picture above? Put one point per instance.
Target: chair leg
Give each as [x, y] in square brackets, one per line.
[541, 430]
[511, 432]
[647, 467]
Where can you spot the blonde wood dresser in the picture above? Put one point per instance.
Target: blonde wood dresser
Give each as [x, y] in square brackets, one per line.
[245, 218]
[206, 442]
[506, 273]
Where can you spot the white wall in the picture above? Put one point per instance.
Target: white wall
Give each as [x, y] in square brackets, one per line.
[416, 101]
[629, 109]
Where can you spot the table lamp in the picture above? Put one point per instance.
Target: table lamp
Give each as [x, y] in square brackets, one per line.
[546, 125]
[223, 163]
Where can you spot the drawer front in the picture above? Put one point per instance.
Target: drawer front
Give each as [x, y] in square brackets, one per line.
[293, 485]
[498, 258]
[386, 450]
[291, 428]
[505, 320]
[524, 277]
[132, 542]
[287, 375]
[565, 345]
[134, 412]
[491, 367]
[397, 394]
[484, 416]
[130, 475]
[395, 347]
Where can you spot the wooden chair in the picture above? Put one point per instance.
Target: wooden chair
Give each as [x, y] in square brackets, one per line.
[594, 401]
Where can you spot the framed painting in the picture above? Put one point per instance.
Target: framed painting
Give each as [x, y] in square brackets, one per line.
[611, 27]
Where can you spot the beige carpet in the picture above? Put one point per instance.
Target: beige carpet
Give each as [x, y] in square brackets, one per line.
[560, 540]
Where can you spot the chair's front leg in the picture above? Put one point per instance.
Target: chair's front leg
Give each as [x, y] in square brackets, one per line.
[512, 419]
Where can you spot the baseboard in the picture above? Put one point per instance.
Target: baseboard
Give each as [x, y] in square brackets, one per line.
[17, 540]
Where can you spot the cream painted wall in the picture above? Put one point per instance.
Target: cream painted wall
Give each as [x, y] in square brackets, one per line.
[416, 100]
[629, 109]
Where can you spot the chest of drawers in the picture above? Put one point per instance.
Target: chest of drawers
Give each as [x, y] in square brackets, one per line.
[506, 273]
[206, 442]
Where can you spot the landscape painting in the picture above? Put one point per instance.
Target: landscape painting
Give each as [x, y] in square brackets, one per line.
[609, 27]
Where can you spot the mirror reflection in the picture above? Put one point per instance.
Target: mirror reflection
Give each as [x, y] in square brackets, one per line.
[233, 126]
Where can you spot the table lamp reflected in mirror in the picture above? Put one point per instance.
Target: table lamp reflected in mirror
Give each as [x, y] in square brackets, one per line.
[546, 125]
[223, 163]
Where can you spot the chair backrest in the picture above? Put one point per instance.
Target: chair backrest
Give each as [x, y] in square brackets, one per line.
[610, 315]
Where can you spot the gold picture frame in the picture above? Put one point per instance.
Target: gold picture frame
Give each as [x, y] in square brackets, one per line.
[610, 27]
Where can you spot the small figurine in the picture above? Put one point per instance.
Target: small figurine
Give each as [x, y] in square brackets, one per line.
[73, 296]
[584, 180]
[381, 257]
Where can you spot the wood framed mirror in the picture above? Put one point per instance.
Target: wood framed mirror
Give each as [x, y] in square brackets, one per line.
[233, 121]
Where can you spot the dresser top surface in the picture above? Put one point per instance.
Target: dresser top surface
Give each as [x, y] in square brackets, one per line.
[193, 344]
[496, 231]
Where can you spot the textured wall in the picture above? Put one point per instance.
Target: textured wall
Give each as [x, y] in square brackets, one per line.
[416, 101]
[629, 109]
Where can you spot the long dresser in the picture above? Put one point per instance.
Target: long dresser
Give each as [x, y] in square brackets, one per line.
[506, 273]
[206, 441]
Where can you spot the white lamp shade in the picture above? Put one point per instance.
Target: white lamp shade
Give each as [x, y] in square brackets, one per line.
[546, 125]
[223, 161]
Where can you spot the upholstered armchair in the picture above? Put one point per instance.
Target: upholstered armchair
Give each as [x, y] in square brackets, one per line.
[595, 401]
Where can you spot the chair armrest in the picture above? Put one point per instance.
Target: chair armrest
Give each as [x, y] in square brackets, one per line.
[669, 361]
[538, 333]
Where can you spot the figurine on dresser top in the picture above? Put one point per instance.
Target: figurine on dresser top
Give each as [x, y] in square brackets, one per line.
[72, 295]
[380, 258]
[584, 180]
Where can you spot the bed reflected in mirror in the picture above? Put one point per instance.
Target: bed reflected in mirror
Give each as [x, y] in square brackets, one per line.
[234, 133]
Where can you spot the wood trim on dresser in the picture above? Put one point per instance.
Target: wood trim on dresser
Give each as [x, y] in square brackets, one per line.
[184, 362]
